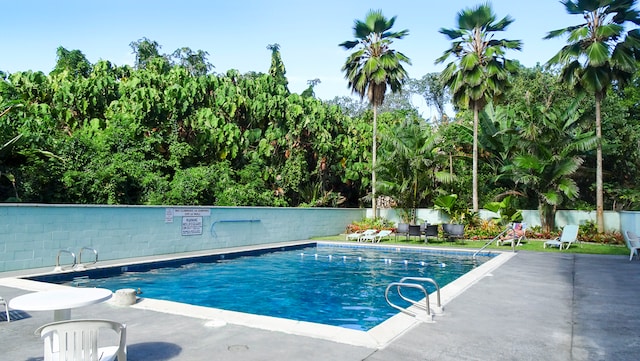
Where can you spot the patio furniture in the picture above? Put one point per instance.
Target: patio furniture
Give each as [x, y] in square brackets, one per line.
[60, 301]
[376, 238]
[515, 233]
[414, 230]
[431, 230]
[78, 340]
[358, 235]
[566, 239]
[402, 229]
[632, 240]
[6, 308]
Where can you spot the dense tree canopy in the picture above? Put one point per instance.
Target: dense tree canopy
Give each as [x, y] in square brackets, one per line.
[166, 133]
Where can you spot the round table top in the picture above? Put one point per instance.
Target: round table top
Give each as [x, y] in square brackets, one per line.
[60, 299]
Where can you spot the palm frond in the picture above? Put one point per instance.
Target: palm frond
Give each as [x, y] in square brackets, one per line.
[597, 54]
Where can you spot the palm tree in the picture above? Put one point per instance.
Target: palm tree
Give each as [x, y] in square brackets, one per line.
[553, 141]
[373, 67]
[410, 168]
[480, 75]
[599, 52]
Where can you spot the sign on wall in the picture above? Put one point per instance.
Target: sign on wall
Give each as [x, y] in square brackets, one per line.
[191, 212]
[191, 226]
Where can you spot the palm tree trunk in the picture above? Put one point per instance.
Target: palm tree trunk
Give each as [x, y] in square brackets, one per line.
[547, 216]
[599, 186]
[373, 163]
[475, 157]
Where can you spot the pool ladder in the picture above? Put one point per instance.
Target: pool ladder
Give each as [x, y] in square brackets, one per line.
[58, 267]
[75, 265]
[428, 317]
[81, 265]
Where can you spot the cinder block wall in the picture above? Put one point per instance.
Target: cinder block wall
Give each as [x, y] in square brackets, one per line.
[31, 235]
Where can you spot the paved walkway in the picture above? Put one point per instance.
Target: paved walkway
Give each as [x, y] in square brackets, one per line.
[537, 306]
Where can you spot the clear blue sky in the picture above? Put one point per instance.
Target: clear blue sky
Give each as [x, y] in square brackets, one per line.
[236, 33]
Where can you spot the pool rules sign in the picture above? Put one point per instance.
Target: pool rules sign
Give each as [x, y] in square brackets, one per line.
[191, 219]
[191, 226]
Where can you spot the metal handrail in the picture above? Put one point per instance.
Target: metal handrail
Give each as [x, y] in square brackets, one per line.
[493, 240]
[421, 279]
[95, 252]
[213, 232]
[409, 285]
[58, 268]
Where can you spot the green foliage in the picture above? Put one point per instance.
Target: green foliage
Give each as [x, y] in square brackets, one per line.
[449, 205]
[369, 223]
[409, 163]
[507, 213]
[169, 132]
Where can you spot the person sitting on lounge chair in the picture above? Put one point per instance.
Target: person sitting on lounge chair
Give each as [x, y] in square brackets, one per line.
[515, 233]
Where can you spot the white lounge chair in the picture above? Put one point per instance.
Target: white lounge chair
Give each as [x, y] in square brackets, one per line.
[358, 235]
[633, 243]
[6, 308]
[566, 239]
[375, 238]
[78, 340]
[515, 233]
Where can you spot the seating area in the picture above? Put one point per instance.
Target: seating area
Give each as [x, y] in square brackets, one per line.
[408, 231]
[6, 308]
[79, 339]
[632, 240]
[514, 234]
[567, 238]
[376, 237]
[358, 235]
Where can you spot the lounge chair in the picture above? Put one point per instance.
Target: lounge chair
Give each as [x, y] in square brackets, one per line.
[514, 233]
[78, 340]
[357, 235]
[632, 241]
[566, 239]
[375, 238]
[6, 308]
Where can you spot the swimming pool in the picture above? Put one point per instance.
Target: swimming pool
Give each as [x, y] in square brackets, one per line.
[339, 285]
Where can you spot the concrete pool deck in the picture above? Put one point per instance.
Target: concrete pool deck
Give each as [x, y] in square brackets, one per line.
[536, 306]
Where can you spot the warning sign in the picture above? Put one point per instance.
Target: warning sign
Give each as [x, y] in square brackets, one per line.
[191, 226]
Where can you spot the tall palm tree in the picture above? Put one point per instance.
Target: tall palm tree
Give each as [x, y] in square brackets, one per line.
[373, 67]
[600, 51]
[411, 165]
[552, 144]
[481, 71]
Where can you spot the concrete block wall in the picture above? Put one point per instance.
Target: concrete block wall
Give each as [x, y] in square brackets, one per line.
[612, 219]
[31, 235]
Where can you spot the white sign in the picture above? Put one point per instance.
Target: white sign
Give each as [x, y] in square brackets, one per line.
[191, 226]
[191, 212]
[168, 215]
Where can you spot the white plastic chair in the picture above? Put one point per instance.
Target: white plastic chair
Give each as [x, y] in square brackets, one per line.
[6, 308]
[358, 235]
[566, 239]
[376, 237]
[77, 340]
[633, 243]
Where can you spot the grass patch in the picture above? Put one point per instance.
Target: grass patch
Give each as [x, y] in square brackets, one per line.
[530, 245]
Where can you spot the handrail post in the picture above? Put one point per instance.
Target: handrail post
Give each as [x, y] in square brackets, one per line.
[95, 252]
[58, 267]
[438, 308]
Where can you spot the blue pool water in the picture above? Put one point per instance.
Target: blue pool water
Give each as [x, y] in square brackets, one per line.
[340, 286]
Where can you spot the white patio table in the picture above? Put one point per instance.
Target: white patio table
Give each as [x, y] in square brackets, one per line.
[60, 301]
